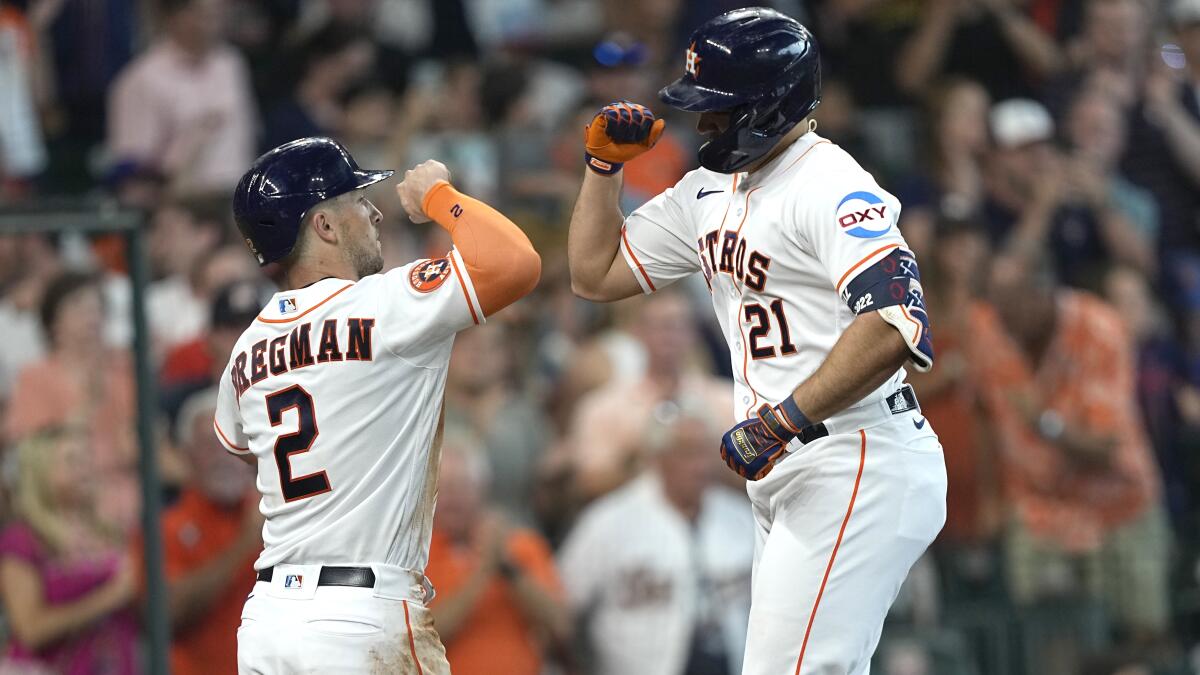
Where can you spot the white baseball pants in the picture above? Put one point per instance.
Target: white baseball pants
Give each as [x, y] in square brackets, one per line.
[292, 626]
[839, 523]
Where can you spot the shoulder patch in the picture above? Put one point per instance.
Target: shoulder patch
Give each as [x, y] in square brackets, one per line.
[427, 276]
[863, 215]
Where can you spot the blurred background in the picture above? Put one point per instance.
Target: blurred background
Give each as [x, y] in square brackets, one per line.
[1047, 154]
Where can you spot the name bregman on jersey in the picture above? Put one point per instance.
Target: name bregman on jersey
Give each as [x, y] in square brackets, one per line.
[296, 350]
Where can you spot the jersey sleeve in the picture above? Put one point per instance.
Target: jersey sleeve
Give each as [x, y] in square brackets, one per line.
[656, 242]
[850, 224]
[227, 424]
[423, 304]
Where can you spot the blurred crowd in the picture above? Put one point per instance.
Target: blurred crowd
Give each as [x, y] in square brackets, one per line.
[1047, 155]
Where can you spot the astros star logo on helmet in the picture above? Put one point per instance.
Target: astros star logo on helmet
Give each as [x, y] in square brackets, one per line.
[692, 63]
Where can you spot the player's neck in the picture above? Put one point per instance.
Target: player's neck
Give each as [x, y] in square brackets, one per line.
[306, 272]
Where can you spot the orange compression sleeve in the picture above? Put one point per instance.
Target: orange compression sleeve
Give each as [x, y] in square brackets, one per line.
[500, 260]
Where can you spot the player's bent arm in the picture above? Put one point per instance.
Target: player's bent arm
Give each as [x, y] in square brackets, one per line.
[501, 261]
[866, 356]
[35, 622]
[598, 271]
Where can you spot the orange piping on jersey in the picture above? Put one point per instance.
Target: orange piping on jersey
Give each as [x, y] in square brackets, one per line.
[862, 460]
[288, 320]
[860, 263]
[226, 439]
[821, 142]
[737, 282]
[463, 284]
[633, 257]
[920, 328]
[746, 358]
[412, 645]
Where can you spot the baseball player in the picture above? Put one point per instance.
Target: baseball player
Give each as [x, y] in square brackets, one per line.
[820, 302]
[335, 392]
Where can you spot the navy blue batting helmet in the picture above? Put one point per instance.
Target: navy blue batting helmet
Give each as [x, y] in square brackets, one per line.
[759, 65]
[282, 185]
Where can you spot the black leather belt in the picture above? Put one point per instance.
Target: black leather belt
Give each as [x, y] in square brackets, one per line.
[359, 577]
[900, 401]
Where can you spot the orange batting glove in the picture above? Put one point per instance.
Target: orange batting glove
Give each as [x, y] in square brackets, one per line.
[618, 133]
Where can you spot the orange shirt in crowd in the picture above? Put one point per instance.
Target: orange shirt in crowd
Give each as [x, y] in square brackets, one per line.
[1087, 376]
[497, 637]
[195, 531]
[956, 413]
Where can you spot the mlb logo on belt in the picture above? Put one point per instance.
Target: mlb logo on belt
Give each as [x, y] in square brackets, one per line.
[293, 581]
[287, 305]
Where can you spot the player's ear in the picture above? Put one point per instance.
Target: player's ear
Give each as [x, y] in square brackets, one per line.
[323, 225]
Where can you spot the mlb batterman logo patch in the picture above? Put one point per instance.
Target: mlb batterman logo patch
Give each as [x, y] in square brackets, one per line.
[429, 275]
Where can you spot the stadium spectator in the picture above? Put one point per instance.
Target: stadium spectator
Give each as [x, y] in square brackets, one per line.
[64, 579]
[951, 398]
[184, 106]
[481, 396]
[499, 600]
[27, 265]
[22, 151]
[330, 62]
[1079, 475]
[993, 42]
[606, 434]
[211, 537]
[1040, 199]
[950, 181]
[82, 383]
[658, 572]
[176, 311]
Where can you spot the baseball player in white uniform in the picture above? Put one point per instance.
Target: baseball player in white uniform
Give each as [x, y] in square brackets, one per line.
[335, 394]
[820, 302]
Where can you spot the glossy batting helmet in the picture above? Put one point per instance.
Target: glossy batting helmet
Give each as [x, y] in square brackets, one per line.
[763, 68]
[281, 186]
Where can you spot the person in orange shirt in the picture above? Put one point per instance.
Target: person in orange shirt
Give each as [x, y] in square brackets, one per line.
[1078, 472]
[498, 603]
[211, 537]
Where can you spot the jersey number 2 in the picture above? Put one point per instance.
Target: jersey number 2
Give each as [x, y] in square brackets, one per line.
[301, 440]
[762, 327]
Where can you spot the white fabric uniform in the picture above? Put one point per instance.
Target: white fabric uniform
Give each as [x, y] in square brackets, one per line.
[778, 248]
[344, 437]
[638, 570]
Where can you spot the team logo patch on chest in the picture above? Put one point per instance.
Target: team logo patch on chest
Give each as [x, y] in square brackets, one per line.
[863, 215]
[429, 275]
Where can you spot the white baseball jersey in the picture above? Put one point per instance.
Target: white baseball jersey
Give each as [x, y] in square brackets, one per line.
[336, 389]
[777, 248]
[647, 577]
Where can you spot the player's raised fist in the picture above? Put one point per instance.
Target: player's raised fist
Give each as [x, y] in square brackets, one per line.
[618, 133]
[418, 182]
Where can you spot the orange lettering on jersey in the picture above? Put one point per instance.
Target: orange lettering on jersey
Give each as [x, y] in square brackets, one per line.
[329, 349]
[258, 362]
[359, 347]
[299, 347]
[275, 351]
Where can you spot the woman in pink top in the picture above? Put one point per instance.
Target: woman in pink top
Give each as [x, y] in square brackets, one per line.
[65, 582]
[82, 383]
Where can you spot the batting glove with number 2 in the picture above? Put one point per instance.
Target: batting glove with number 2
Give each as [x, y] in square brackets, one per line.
[618, 133]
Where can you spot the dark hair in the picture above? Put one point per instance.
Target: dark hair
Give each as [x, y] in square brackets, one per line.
[171, 7]
[62, 287]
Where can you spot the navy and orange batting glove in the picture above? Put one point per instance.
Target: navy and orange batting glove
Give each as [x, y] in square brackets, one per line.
[753, 447]
[618, 133]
